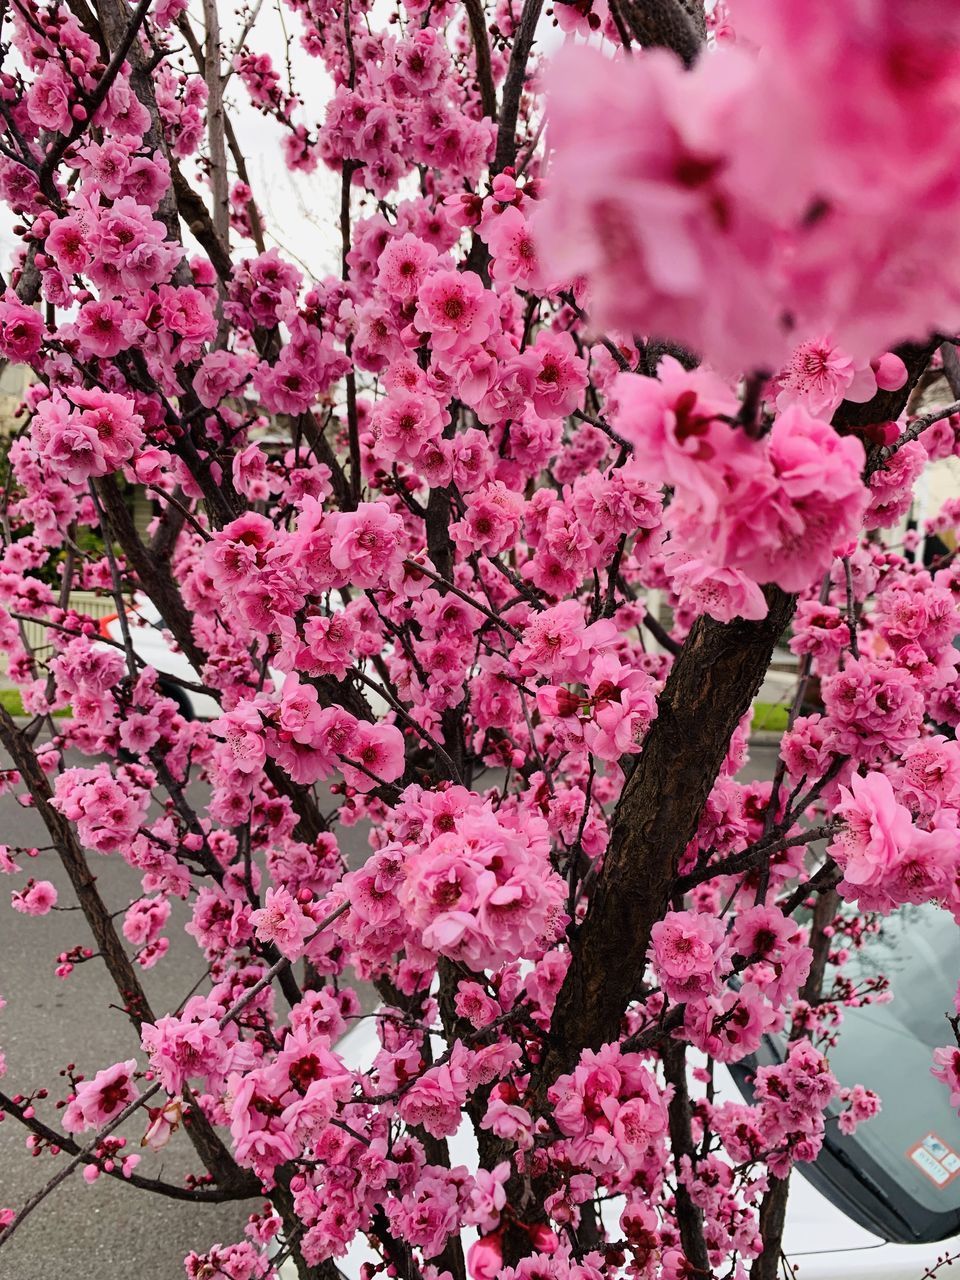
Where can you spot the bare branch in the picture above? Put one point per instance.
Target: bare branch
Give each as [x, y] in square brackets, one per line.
[481, 52]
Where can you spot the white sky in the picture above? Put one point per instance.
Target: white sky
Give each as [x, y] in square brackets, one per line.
[300, 211]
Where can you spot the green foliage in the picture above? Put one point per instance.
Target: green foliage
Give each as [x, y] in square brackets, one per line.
[770, 716]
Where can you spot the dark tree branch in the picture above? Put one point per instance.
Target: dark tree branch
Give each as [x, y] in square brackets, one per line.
[195, 214]
[197, 1195]
[679, 1116]
[513, 85]
[481, 52]
[773, 1207]
[916, 430]
[711, 685]
[215, 1156]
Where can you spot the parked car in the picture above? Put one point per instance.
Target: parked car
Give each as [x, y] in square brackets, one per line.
[883, 1204]
[153, 644]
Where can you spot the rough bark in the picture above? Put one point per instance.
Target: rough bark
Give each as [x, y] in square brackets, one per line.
[197, 217]
[219, 180]
[678, 25]
[886, 406]
[773, 1218]
[667, 24]
[712, 683]
[513, 86]
[481, 53]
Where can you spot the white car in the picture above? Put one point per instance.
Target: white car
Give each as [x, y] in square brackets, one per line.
[883, 1204]
[153, 643]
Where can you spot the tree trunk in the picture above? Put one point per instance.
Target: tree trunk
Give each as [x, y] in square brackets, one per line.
[712, 684]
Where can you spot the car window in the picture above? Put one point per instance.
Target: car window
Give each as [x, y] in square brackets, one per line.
[899, 1174]
[888, 1048]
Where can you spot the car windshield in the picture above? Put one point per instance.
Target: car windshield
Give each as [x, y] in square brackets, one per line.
[899, 1175]
[888, 1048]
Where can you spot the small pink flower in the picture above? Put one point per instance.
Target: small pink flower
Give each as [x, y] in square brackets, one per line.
[21, 330]
[379, 749]
[100, 1099]
[366, 542]
[877, 830]
[281, 921]
[37, 899]
[513, 248]
[689, 950]
[403, 266]
[456, 310]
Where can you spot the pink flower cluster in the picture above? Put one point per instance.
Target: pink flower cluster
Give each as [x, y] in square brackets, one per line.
[98, 1100]
[482, 890]
[108, 809]
[91, 434]
[277, 1109]
[762, 192]
[613, 1114]
[742, 513]
[886, 859]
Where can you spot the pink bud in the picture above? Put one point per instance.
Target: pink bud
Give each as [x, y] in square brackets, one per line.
[890, 371]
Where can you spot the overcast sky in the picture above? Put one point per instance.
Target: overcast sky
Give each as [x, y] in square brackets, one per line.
[300, 211]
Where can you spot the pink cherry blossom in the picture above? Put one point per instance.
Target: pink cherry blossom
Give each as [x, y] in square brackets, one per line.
[98, 1100]
[282, 921]
[39, 897]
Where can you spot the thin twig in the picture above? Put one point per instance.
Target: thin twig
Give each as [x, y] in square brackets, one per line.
[86, 1154]
[915, 430]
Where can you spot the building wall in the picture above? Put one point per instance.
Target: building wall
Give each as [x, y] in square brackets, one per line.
[14, 380]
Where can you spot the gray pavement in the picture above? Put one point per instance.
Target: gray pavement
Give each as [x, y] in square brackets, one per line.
[107, 1231]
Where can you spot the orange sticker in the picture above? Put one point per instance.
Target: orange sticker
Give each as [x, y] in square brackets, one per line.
[936, 1159]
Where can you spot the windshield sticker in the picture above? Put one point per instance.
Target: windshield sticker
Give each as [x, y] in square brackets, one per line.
[933, 1157]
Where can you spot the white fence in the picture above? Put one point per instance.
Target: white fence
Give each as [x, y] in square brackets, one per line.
[38, 636]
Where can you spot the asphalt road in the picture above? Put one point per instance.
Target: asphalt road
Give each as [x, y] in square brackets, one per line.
[107, 1231]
